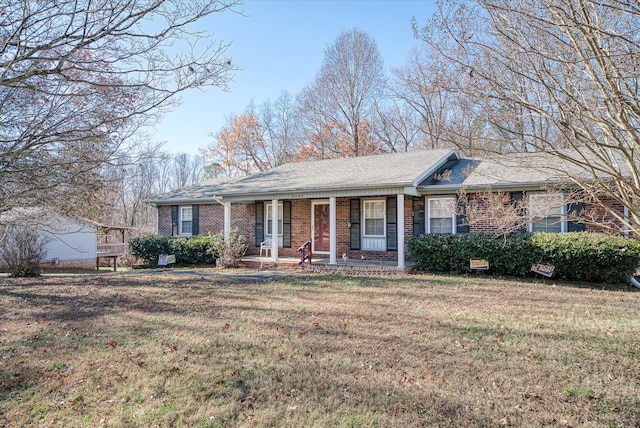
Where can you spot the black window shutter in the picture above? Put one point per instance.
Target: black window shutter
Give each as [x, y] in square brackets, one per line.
[195, 220]
[174, 220]
[259, 223]
[574, 211]
[516, 200]
[418, 216]
[286, 224]
[462, 225]
[354, 218]
[392, 224]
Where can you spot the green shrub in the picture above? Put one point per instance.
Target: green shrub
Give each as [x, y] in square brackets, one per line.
[205, 249]
[149, 247]
[588, 256]
[193, 250]
[432, 252]
[576, 256]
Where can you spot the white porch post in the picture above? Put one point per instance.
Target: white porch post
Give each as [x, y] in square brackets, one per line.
[274, 230]
[400, 229]
[332, 230]
[227, 222]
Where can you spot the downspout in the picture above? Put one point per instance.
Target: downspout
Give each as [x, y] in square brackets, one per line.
[226, 226]
[217, 199]
[634, 281]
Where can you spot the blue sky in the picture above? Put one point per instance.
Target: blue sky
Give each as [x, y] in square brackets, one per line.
[279, 45]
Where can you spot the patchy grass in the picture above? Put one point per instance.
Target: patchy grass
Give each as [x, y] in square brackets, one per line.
[160, 349]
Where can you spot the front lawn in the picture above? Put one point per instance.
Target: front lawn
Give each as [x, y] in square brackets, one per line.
[166, 349]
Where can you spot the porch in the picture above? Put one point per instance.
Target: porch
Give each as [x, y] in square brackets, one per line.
[323, 264]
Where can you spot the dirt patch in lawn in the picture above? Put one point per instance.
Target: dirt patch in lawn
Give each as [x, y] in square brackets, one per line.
[160, 349]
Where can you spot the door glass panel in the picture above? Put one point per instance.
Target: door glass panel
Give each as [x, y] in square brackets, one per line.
[321, 227]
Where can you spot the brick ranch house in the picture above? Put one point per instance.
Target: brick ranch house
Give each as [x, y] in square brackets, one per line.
[365, 207]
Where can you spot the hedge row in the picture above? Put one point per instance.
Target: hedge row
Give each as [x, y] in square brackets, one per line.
[191, 250]
[581, 256]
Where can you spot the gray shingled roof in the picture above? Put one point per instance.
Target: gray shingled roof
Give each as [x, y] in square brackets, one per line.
[397, 169]
[517, 170]
[378, 171]
[498, 172]
[195, 193]
[422, 169]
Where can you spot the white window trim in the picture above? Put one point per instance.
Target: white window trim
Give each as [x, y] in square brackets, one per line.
[428, 214]
[564, 227]
[267, 212]
[180, 208]
[384, 218]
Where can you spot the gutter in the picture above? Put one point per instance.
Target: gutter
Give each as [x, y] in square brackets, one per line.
[505, 187]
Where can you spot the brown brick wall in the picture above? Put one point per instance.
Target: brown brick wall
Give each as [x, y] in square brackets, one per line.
[301, 231]
[164, 220]
[600, 219]
[300, 226]
[482, 226]
[408, 224]
[211, 219]
[597, 219]
[243, 218]
[343, 239]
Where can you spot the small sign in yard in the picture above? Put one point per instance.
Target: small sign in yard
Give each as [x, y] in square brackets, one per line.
[165, 259]
[479, 264]
[542, 269]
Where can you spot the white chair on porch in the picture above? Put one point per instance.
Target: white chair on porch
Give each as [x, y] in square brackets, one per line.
[266, 247]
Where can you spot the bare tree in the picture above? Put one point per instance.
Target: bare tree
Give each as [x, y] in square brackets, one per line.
[78, 80]
[397, 127]
[344, 92]
[261, 138]
[133, 181]
[559, 77]
[278, 119]
[187, 169]
[423, 86]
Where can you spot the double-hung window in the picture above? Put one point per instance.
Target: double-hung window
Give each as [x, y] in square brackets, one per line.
[269, 222]
[441, 215]
[186, 221]
[546, 212]
[374, 218]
